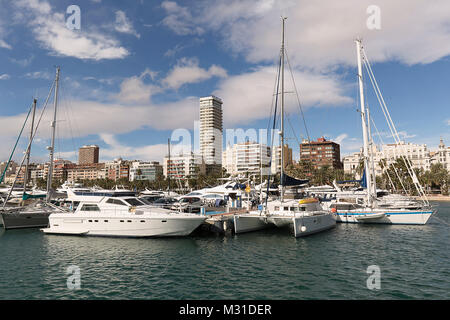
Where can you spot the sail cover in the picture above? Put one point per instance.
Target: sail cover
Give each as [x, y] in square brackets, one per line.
[27, 196]
[290, 181]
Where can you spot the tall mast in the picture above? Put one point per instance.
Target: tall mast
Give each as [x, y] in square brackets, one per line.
[168, 164]
[282, 110]
[372, 163]
[52, 147]
[25, 178]
[364, 124]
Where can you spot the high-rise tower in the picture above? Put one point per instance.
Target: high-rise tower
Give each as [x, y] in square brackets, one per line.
[211, 129]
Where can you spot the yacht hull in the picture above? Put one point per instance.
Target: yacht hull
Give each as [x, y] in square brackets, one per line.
[304, 226]
[21, 220]
[416, 217]
[123, 226]
[248, 222]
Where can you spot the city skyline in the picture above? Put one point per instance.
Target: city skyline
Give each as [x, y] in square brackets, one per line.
[137, 73]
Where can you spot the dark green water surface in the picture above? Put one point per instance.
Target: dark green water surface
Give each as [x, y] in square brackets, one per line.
[414, 262]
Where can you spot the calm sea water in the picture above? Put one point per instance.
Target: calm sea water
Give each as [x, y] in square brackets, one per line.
[414, 263]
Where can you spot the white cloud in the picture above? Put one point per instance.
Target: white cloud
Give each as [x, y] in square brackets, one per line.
[38, 75]
[124, 25]
[23, 62]
[188, 71]
[179, 19]
[248, 96]
[321, 34]
[115, 149]
[3, 44]
[340, 138]
[4, 76]
[134, 90]
[50, 30]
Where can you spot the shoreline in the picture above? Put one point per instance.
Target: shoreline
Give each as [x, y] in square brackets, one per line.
[436, 198]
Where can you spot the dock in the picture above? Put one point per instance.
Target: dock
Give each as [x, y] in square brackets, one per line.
[221, 223]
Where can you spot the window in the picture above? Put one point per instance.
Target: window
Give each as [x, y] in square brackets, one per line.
[115, 201]
[89, 207]
[134, 202]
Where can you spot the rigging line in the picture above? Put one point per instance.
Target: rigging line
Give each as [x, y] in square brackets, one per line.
[297, 95]
[29, 143]
[65, 108]
[395, 168]
[272, 105]
[273, 129]
[292, 128]
[387, 171]
[15, 145]
[396, 137]
[72, 127]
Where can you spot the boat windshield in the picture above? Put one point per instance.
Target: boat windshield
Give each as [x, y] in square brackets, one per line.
[134, 202]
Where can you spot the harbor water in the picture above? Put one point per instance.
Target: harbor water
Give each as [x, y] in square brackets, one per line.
[413, 262]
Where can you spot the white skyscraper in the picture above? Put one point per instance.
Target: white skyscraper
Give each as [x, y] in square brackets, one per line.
[211, 129]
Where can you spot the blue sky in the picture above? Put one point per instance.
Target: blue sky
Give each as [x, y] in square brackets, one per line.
[135, 70]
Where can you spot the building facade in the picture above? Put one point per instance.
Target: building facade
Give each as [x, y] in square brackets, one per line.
[117, 169]
[247, 157]
[92, 171]
[88, 154]
[276, 158]
[321, 153]
[211, 130]
[418, 154]
[182, 166]
[140, 170]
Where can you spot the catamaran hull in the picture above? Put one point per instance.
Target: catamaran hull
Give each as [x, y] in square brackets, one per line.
[124, 226]
[389, 217]
[25, 220]
[250, 222]
[305, 226]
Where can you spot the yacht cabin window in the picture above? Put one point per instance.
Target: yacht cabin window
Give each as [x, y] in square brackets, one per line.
[115, 201]
[134, 202]
[89, 207]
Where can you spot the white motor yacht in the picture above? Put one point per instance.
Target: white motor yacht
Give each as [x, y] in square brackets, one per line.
[122, 216]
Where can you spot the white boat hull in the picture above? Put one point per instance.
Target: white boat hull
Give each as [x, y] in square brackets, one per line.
[418, 217]
[125, 226]
[250, 222]
[304, 226]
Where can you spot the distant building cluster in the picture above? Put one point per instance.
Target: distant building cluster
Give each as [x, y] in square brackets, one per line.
[247, 158]
[418, 154]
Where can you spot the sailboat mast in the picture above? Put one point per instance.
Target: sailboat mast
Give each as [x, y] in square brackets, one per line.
[371, 145]
[282, 110]
[364, 124]
[52, 147]
[26, 177]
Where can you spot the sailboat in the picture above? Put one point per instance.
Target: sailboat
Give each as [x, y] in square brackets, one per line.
[34, 215]
[390, 210]
[304, 216]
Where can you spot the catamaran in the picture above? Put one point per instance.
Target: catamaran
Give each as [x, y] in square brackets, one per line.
[393, 209]
[304, 216]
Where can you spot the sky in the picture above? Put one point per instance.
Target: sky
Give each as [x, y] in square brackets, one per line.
[133, 72]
